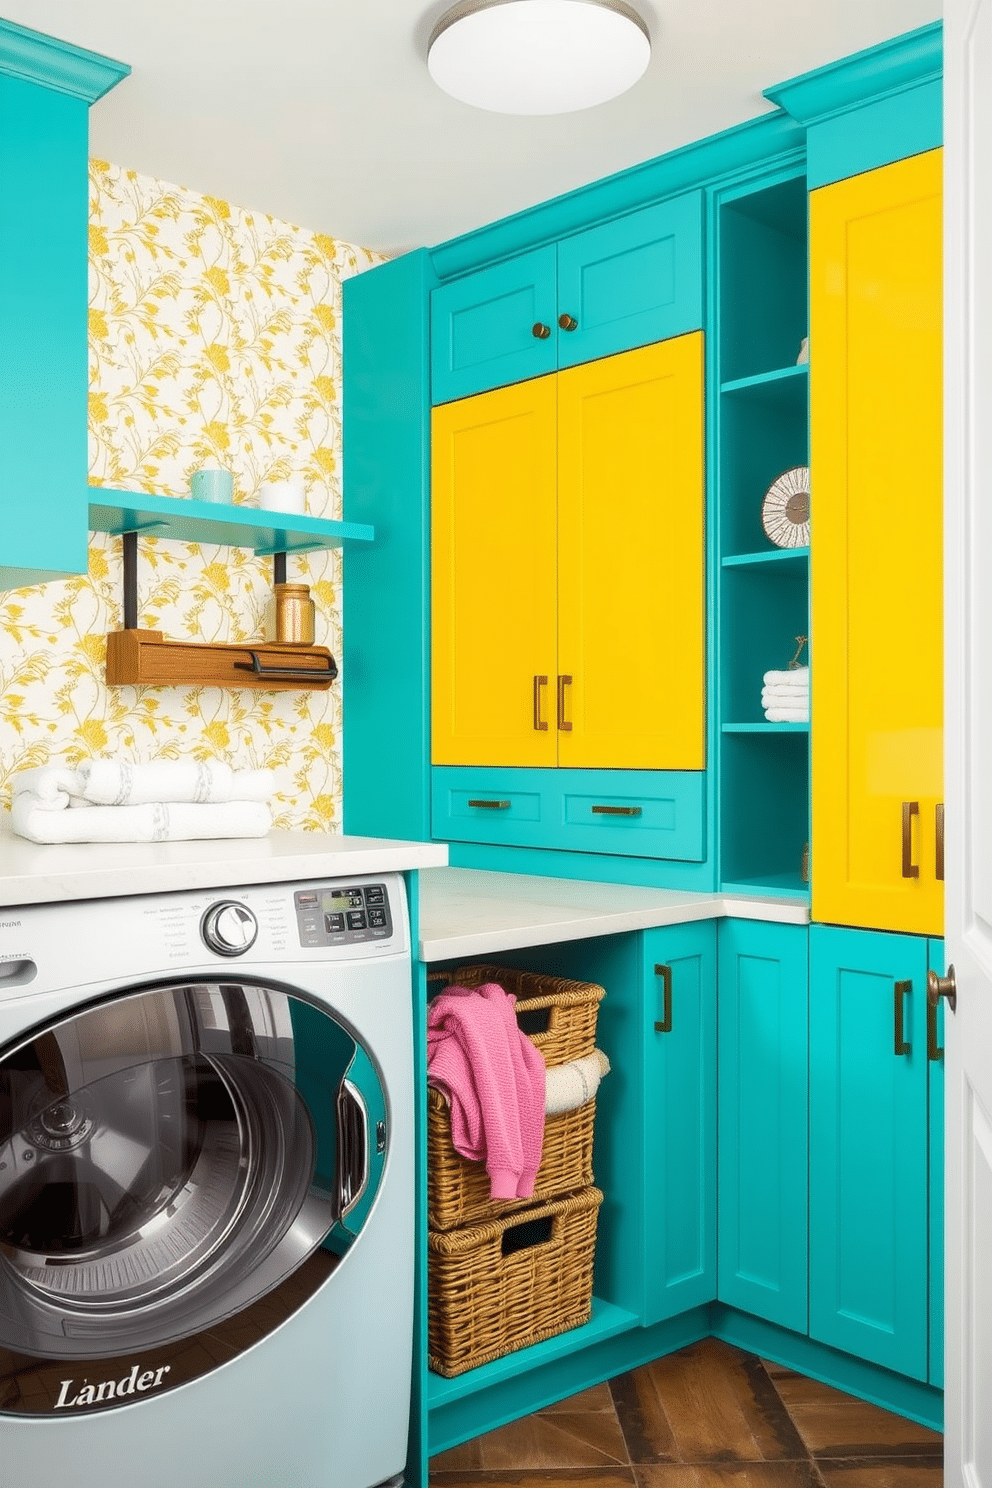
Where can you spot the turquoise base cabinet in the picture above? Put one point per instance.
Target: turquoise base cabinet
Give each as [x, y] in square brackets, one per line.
[763, 1109]
[869, 1264]
[935, 1098]
[679, 979]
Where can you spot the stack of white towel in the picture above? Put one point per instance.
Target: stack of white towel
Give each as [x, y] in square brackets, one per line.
[785, 696]
[165, 801]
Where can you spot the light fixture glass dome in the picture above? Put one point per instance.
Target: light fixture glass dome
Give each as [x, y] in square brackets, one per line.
[538, 56]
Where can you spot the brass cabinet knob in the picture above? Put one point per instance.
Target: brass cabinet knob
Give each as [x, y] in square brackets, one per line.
[568, 322]
[540, 330]
[942, 986]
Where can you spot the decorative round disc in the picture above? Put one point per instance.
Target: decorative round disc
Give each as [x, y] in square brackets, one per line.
[785, 509]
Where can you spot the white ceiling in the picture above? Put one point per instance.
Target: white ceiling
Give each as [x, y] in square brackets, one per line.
[322, 112]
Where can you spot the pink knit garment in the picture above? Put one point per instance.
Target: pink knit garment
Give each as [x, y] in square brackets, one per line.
[493, 1079]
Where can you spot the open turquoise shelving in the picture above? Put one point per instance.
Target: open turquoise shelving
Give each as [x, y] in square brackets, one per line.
[762, 413]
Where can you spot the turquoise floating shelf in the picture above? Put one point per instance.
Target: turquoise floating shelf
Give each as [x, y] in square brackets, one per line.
[264, 533]
[783, 559]
[766, 728]
[606, 1321]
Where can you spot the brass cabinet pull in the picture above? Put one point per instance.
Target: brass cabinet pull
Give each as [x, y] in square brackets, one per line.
[665, 1026]
[939, 826]
[564, 680]
[942, 986]
[567, 322]
[902, 990]
[934, 1050]
[541, 724]
[909, 810]
[540, 330]
[492, 805]
[616, 810]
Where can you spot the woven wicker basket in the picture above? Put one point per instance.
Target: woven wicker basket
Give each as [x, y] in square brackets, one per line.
[458, 1190]
[501, 1286]
[557, 1014]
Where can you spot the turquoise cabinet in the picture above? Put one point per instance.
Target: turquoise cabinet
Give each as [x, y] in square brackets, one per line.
[762, 1007]
[679, 1012]
[935, 1099]
[868, 1138]
[46, 88]
[641, 813]
[624, 283]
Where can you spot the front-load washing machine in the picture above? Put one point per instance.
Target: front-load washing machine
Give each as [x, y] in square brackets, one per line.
[206, 1189]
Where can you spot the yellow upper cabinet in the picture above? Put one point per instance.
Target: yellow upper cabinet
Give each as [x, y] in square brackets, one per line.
[876, 668]
[568, 572]
[630, 559]
[494, 560]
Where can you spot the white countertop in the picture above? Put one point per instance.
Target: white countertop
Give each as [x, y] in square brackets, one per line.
[471, 912]
[33, 874]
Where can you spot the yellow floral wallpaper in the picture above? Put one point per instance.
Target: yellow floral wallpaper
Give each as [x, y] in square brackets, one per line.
[214, 339]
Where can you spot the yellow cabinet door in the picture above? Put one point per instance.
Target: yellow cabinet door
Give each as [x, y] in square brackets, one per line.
[630, 560]
[875, 568]
[494, 534]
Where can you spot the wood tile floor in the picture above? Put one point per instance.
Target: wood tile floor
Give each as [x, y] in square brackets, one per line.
[709, 1416]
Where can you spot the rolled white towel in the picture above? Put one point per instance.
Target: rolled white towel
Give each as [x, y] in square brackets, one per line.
[567, 1086]
[114, 782]
[152, 822]
[787, 715]
[791, 677]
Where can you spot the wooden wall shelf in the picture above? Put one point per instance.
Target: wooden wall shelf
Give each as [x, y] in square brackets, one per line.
[146, 658]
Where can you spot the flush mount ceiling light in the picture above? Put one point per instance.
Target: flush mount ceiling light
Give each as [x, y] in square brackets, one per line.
[538, 56]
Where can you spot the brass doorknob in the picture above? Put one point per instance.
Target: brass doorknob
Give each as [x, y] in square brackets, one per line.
[540, 330]
[567, 322]
[942, 986]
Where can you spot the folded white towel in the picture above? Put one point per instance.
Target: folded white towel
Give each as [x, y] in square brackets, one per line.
[567, 1086]
[781, 689]
[158, 822]
[103, 782]
[787, 715]
[791, 677]
[785, 700]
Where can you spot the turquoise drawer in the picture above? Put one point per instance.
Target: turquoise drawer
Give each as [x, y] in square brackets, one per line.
[634, 813]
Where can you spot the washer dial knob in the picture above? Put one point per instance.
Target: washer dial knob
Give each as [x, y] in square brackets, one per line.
[229, 928]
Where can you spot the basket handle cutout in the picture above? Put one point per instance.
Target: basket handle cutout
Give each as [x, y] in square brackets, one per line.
[525, 1236]
[534, 1020]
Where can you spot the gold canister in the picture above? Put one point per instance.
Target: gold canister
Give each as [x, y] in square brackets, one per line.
[294, 615]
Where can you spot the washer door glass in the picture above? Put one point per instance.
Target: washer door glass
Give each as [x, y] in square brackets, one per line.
[172, 1158]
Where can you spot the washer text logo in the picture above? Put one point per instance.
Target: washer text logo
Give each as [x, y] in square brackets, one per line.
[132, 1384]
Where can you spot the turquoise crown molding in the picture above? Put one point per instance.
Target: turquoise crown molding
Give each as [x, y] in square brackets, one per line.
[36, 58]
[705, 161]
[891, 67]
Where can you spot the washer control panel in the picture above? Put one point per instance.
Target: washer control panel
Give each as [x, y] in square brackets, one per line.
[343, 914]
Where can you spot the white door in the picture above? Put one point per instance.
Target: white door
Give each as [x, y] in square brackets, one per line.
[968, 716]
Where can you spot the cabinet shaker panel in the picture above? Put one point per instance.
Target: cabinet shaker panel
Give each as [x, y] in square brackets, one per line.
[875, 558]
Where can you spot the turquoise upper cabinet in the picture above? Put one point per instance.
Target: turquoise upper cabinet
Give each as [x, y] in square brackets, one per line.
[625, 283]
[632, 281]
[679, 973]
[495, 327]
[762, 1013]
[46, 88]
[868, 1146]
